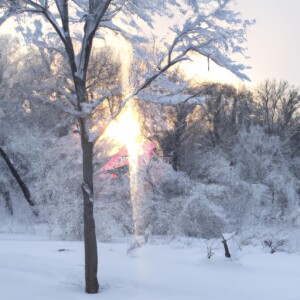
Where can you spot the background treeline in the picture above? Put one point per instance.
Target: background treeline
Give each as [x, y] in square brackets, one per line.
[228, 159]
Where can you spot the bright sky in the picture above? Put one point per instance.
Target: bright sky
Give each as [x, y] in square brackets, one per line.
[274, 41]
[273, 44]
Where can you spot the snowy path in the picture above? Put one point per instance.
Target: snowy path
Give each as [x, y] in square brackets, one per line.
[32, 269]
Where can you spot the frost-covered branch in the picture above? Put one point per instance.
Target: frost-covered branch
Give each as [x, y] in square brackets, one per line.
[70, 97]
[60, 107]
[90, 107]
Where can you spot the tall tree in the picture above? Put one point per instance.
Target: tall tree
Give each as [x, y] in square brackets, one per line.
[206, 27]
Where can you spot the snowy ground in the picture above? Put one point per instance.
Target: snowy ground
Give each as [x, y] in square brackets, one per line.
[35, 269]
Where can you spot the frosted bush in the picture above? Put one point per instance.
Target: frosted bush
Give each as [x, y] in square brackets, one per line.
[261, 159]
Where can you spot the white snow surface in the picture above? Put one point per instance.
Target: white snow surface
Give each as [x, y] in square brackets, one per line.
[34, 268]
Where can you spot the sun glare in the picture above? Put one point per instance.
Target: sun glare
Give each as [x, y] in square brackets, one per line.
[126, 132]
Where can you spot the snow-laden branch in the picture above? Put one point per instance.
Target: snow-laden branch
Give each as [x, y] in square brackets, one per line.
[71, 98]
[61, 107]
[144, 84]
[88, 108]
[209, 28]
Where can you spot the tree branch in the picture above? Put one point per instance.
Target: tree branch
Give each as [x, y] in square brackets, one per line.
[68, 110]
[16, 175]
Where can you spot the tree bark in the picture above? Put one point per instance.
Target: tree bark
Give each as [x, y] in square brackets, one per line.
[90, 241]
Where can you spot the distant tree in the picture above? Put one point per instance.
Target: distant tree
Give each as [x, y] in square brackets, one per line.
[278, 103]
[8, 60]
[211, 114]
[226, 109]
[220, 100]
[210, 28]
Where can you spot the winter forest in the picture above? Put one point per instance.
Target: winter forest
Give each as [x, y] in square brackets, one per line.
[123, 176]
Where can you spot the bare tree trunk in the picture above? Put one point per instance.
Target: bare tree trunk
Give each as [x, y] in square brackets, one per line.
[234, 111]
[90, 241]
[178, 132]
[226, 249]
[182, 111]
[217, 118]
[7, 199]
[8, 203]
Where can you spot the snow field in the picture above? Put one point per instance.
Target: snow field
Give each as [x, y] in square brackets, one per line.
[33, 269]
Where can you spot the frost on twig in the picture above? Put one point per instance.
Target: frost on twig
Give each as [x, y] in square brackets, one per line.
[211, 248]
[274, 245]
[61, 107]
[137, 243]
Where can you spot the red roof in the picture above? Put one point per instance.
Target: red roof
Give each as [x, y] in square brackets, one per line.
[119, 164]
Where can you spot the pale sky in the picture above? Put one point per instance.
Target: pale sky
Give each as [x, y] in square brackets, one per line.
[274, 41]
[273, 44]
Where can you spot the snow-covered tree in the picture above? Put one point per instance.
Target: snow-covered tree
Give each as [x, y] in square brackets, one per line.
[210, 28]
